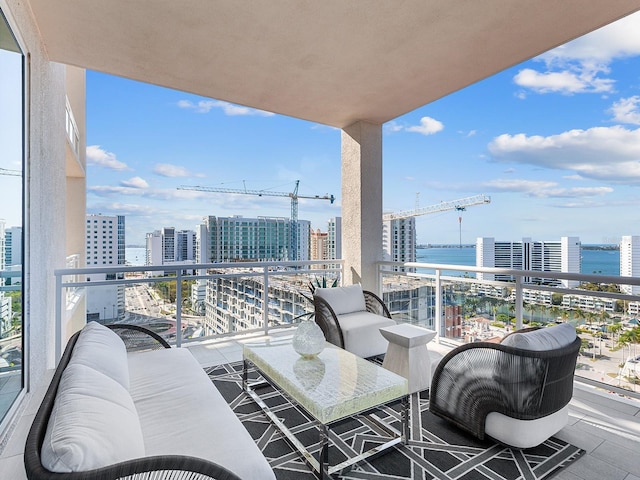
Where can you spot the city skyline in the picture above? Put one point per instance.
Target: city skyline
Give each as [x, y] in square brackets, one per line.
[555, 142]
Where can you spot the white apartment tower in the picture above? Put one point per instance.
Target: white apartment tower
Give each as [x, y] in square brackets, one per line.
[630, 262]
[105, 247]
[399, 239]
[5, 300]
[562, 255]
[170, 246]
[334, 238]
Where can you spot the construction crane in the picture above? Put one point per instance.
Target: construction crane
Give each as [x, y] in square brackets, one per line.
[12, 173]
[459, 205]
[266, 193]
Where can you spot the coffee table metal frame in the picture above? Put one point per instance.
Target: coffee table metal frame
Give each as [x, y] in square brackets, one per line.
[321, 466]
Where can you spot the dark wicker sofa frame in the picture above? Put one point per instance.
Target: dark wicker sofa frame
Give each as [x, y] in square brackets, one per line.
[327, 319]
[176, 467]
[478, 378]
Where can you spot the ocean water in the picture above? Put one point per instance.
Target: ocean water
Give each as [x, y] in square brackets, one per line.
[135, 256]
[600, 262]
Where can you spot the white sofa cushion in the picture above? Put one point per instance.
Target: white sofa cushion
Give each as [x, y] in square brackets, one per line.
[93, 423]
[102, 349]
[347, 299]
[189, 416]
[361, 333]
[525, 433]
[542, 339]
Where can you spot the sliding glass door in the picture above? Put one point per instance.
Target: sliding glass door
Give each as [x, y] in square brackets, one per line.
[11, 216]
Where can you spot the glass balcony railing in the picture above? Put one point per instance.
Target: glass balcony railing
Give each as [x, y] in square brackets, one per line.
[189, 302]
[470, 304]
[185, 302]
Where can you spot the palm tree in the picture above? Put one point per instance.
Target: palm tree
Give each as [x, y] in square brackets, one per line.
[614, 329]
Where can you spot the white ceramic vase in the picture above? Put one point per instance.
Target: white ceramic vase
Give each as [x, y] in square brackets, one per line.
[308, 340]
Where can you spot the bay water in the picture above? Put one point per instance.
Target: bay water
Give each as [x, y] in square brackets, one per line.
[601, 262]
[598, 261]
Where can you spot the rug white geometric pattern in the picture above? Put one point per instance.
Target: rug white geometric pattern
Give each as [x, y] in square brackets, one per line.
[437, 450]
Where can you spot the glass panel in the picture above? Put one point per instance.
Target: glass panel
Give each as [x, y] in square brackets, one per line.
[11, 174]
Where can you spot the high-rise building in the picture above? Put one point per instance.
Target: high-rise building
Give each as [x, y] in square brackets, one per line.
[13, 246]
[170, 246]
[259, 239]
[5, 300]
[630, 262]
[562, 255]
[334, 238]
[319, 250]
[105, 246]
[399, 239]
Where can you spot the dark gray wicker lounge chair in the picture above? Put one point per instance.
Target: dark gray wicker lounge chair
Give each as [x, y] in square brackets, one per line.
[175, 467]
[476, 379]
[357, 331]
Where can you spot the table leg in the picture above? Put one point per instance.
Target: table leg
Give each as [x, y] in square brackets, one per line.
[324, 452]
[245, 375]
[406, 429]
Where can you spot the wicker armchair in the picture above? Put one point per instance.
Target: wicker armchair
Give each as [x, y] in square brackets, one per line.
[515, 395]
[351, 318]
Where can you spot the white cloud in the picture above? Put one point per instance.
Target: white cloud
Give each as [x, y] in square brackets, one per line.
[205, 106]
[428, 126]
[566, 82]
[626, 110]
[581, 65]
[107, 190]
[545, 189]
[392, 127]
[127, 209]
[601, 153]
[101, 158]
[172, 171]
[135, 182]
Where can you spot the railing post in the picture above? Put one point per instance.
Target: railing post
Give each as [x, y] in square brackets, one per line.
[438, 320]
[58, 326]
[518, 309]
[179, 308]
[265, 300]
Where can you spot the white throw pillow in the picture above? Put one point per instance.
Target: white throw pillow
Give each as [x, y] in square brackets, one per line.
[102, 349]
[93, 424]
[343, 299]
[542, 339]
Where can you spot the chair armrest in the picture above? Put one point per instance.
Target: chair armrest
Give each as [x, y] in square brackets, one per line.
[138, 338]
[375, 304]
[476, 379]
[328, 322]
[157, 467]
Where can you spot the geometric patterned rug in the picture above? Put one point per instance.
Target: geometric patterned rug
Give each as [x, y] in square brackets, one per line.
[437, 450]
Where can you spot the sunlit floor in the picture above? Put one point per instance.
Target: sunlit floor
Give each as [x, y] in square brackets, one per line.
[605, 425]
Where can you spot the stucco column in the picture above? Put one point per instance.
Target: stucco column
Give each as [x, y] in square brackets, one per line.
[362, 203]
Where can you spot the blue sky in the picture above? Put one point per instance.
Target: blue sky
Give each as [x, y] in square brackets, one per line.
[554, 141]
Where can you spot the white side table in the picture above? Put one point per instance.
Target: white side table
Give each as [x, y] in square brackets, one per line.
[407, 354]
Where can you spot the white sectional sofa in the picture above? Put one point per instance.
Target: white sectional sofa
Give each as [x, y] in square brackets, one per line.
[109, 414]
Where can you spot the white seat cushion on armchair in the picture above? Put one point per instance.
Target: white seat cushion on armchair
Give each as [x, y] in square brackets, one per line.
[360, 329]
[361, 333]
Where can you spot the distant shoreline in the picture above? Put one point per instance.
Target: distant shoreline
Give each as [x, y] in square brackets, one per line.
[433, 245]
[471, 245]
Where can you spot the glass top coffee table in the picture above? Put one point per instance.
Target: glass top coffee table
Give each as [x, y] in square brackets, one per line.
[331, 387]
